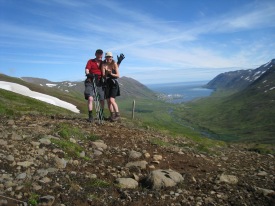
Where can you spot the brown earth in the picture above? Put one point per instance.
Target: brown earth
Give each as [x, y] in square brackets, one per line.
[91, 180]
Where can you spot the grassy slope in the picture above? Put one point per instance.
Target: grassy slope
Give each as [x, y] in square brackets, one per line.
[245, 115]
[13, 104]
[74, 98]
[157, 115]
[149, 113]
[242, 116]
[153, 115]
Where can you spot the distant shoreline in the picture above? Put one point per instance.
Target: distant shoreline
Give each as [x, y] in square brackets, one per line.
[177, 83]
[179, 92]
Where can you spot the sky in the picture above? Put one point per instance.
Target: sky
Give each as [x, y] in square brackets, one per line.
[163, 41]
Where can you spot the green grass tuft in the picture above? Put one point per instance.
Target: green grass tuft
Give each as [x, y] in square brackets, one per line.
[67, 131]
[262, 149]
[95, 183]
[33, 200]
[71, 149]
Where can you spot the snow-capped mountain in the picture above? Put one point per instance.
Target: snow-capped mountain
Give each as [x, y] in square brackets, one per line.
[240, 79]
[65, 86]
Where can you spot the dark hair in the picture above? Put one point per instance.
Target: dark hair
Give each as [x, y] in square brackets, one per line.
[99, 51]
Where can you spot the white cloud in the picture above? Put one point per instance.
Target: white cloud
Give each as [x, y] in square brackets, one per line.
[148, 41]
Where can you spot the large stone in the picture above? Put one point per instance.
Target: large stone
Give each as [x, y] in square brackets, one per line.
[141, 164]
[128, 183]
[60, 163]
[230, 179]
[35, 144]
[45, 141]
[45, 180]
[10, 158]
[146, 155]
[42, 172]
[82, 154]
[10, 122]
[262, 173]
[134, 155]
[98, 145]
[158, 179]
[157, 157]
[97, 153]
[21, 176]
[25, 163]
[73, 140]
[265, 192]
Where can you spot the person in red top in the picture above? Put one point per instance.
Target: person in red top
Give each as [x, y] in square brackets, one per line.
[93, 70]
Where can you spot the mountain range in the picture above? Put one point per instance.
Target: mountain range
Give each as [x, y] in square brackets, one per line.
[129, 87]
[240, 79]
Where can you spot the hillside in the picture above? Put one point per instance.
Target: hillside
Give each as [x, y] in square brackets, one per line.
[52, 156]
[63, 160]
[128, 86]
[73, 98]
[256, 105]
[246, 115]
[238, 80]
[72, 92]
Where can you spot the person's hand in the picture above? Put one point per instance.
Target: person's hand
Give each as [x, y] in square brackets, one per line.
[120, 58]
[108, 71]
[91, 76]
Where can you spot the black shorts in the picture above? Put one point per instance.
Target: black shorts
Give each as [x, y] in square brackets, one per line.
[112, 89]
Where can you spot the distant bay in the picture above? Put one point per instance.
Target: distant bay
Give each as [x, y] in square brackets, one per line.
[180, 91]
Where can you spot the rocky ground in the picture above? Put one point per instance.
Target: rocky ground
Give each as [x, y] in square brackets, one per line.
[118, 164]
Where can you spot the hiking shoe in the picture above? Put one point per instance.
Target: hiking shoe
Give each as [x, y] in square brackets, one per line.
[115, 119]
[90, 119]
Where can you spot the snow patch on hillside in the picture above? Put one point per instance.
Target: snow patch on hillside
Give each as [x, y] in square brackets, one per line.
[51, 85]
[19, 89]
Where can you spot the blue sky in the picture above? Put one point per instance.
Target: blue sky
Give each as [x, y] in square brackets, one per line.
[163, 41]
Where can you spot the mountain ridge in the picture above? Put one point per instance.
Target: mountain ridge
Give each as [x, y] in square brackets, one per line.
[129, 87]
[239, 79]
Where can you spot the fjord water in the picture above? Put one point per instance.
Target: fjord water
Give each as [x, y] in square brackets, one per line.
[181, 91]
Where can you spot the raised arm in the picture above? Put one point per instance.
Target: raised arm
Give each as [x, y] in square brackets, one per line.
[119, 59]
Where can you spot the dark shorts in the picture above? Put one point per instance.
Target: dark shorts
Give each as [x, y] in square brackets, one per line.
[112, 89]
[89, 91]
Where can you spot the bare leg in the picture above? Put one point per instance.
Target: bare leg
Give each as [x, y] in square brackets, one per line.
[114, 104]
[110, 106]
[90, 108]
[90, 103]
